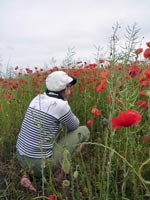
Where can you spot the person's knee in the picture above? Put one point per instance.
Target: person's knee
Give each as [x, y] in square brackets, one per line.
[85, 133]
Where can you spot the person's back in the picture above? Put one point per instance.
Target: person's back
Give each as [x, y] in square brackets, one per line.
[41, 125]
[37, 143]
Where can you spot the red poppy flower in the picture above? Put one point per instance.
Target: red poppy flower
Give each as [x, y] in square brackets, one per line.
[1, 79]
[144, 83]
[119, 67]
[142, 103]
[102, 86]
[127, 118]
[22, 81]
[92, 66]
[82, 88]
[29, 71]
[96, 112]
[147, 73]
[139, 50]
[16, 67]
[35, 83]
[146, 138]
[38, 90]
[90, 122]
[110, 99]
[8, 95]
[134, 70]
[142, 93]
[101, 61]
[104, 74]
[1, 107]
[38, 74]
[147, 53]
[14, 86]
[79, 62]
[52, 197]
[148, 44]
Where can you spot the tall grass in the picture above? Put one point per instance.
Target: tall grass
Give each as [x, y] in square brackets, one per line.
[115, 162]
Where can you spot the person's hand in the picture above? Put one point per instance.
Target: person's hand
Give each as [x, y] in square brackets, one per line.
[25, 182]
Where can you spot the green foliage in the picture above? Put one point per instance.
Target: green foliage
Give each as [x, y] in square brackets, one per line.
[115, 162]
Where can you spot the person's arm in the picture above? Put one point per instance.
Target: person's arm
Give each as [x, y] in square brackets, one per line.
[70, 121]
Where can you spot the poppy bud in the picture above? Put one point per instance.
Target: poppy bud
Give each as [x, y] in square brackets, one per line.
[66, 164]
[147, 94]
[104, 122]
[75, 174]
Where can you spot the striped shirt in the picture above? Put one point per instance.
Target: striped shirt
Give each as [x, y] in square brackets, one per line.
[42, 123]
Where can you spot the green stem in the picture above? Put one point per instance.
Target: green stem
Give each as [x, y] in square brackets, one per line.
[40, 197]
[124, 160]
[87, 180]
[124, 165]
[104, 159]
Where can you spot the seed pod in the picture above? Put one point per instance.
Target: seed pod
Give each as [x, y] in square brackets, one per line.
[66, 162]
[66, 183]
[147, 94]
[66, 166]
[104, 122]
[75, 174]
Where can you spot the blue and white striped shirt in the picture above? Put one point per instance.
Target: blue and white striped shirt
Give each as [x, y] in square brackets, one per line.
[42, 123]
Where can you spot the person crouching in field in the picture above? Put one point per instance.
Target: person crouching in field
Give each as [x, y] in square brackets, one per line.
[38, 147]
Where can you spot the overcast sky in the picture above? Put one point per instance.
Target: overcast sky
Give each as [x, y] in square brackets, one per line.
[34, 31]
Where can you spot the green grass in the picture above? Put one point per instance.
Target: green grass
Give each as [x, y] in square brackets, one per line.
[114, 164]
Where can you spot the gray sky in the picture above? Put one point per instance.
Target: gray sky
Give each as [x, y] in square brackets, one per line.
[34, 31]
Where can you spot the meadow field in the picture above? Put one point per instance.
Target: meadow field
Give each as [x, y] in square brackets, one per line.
[111, 97]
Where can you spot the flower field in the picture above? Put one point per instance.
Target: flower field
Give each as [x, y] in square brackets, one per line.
[113, 100]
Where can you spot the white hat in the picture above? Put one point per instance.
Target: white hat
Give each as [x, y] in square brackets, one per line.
[58, 81]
